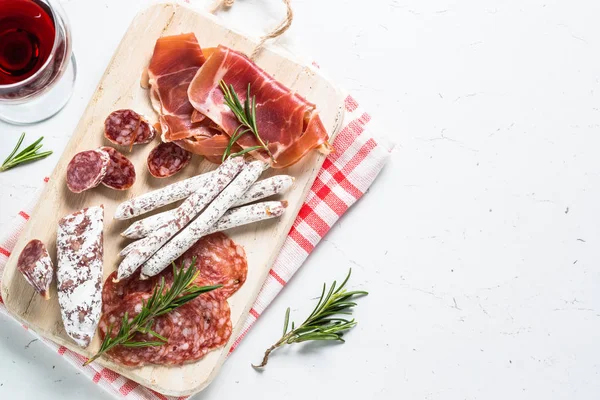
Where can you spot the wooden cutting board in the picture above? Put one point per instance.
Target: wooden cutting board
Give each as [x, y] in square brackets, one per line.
[120, 88]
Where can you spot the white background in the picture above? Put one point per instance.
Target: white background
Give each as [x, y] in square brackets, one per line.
[478, 242]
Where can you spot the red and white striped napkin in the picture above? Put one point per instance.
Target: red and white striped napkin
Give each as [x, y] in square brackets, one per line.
[346, 175]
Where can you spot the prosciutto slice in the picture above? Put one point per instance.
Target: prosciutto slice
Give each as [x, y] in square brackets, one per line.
[174, 63]
[286, 121]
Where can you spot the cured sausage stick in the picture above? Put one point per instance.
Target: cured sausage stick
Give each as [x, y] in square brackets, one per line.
[79, 250]
[182, 216]
[248, 215]
[258, 191]
[201, 225]
[234, 218]
[161, 197]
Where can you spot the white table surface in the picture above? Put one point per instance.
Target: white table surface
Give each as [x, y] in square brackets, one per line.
[479, 241]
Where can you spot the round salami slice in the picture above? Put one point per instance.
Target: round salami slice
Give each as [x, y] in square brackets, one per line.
[110, 296]
[220, 262]
[135, 356]
[167, 159]
[113, 293]
[126, 128]
[184, 336]
[215, 316]
[120, 174]
[86, 170]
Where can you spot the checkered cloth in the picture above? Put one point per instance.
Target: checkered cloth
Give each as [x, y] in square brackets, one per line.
[346, 175]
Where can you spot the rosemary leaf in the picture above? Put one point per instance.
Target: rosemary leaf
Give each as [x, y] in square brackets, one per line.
[28, 154]
[143, 344]
[30, 148]
[324, 323]
[15, 149]
[286, 321]
[246, 150]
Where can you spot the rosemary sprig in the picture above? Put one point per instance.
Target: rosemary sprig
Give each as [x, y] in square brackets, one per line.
[324, 323]
[28, 154]
[160, 302]
[246, 115]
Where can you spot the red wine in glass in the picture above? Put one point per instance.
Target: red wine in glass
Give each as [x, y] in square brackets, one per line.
[26, 39]
[37, 68]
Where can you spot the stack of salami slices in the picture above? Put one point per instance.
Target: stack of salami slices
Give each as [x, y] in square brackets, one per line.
[193, 329]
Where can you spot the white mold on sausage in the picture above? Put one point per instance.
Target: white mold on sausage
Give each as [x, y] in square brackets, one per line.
[182, 216]
[201, 225]
[258, 191]
[161, 197]
[232, 219]
[80, 250]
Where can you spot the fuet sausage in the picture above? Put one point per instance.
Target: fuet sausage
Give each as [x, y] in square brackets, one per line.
[232, 219]
[161, 197]
[182, 216]
[201, 225]
[260, 190]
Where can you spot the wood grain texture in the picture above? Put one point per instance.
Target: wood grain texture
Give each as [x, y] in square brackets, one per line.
[120, 88]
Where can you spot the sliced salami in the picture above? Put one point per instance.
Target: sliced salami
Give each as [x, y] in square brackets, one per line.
[120, 174]
[167, 159]
[86, 170]
[36, 266]
[110, 295]
[192, 330]
[114, 292]
[216, 316]
[220, 262]
[135, 356]
[186, 335]
[126, 128]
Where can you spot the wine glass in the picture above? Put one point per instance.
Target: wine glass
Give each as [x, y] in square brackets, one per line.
[37, 65]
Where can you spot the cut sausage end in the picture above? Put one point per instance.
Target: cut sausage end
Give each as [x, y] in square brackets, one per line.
[126, 128]
[87, 169]
[120, 174]
[167, 159]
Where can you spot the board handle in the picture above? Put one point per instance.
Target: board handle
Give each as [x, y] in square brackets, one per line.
[276, 32]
